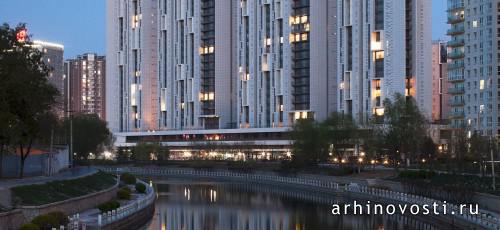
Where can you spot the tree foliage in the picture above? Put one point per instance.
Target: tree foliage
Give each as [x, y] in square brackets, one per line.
[405, 127]
[26, 96]
[90, 134]
[145, 151]
[313, 141]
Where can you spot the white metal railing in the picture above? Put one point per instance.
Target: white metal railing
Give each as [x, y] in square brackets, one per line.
[260, 178]
[482, 219]
[127, 210]
[103, 219]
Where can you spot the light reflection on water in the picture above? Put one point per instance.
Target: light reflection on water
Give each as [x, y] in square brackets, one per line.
[214, 206]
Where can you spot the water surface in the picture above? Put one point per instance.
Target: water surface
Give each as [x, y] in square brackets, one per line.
[189, 205]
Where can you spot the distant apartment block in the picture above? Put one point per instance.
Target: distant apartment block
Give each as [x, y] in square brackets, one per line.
[441, 100]
[384, 48]
[86, 80]
[474, 66]
[53, 57]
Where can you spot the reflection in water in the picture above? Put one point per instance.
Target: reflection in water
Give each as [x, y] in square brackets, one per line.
[213, 206]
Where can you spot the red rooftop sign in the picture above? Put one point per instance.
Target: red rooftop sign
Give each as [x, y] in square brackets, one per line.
[22, 35]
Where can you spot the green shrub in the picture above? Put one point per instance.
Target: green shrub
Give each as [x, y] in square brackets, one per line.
[108, 206]
[421, 174]
[124, 194]
[61, 217]
[29, 226]
[45, 222]
[140, 188]
[128, 178]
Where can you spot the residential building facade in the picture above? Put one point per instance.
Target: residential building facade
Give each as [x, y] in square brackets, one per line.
[473, 65]
[384, 49]
[86, 81]
[180, 72]
[441, 100]
[286, 62]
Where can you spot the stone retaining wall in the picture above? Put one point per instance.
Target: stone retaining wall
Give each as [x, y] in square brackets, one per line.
[73, 205]
[13, 219]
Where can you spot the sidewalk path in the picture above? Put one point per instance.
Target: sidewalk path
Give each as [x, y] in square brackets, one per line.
[69, 174]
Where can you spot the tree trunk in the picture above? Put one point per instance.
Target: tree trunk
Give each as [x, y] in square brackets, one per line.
[21, 168]
[2, 146]
[24, 156]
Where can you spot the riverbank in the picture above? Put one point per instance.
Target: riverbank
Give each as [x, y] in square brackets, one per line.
[66, 196]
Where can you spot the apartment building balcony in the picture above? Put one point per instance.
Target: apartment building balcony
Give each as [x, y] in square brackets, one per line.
[456, 43]
[456, 65]
[457, 115]
[456, 5]
[456, 54]
[456, 90]
[456, 78]
[457, 102]
[454, 19]
[456, 30]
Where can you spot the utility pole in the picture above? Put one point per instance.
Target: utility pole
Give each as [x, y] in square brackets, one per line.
[71, 160]
[492, 164]
[493, 168]
[51, 150]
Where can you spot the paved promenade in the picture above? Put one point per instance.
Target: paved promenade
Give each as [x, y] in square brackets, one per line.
[66, 175]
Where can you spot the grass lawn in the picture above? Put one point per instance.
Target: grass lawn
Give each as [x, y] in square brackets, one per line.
[61, 190]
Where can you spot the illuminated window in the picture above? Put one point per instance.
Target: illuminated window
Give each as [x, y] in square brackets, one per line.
[246, 77]
[379, 55]
[474, 24]
[268, 41]
[304, 37]
[481, 84]
[297, 20]
[379, 111]
[303, 19]
[306, 27]
[207, 50]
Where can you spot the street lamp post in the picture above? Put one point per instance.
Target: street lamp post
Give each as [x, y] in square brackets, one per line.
[70, 155]
[491, 144]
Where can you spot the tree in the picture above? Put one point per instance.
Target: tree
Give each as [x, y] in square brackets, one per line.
[405, 127]
[145, 151]
[373, 141]
[479, 150]
[341, 131]
[459, 147]
[90, 135]
[26, 96]
[428, 149]
[310, 144]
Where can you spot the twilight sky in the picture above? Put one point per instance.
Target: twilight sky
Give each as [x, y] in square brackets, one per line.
[80, 24]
